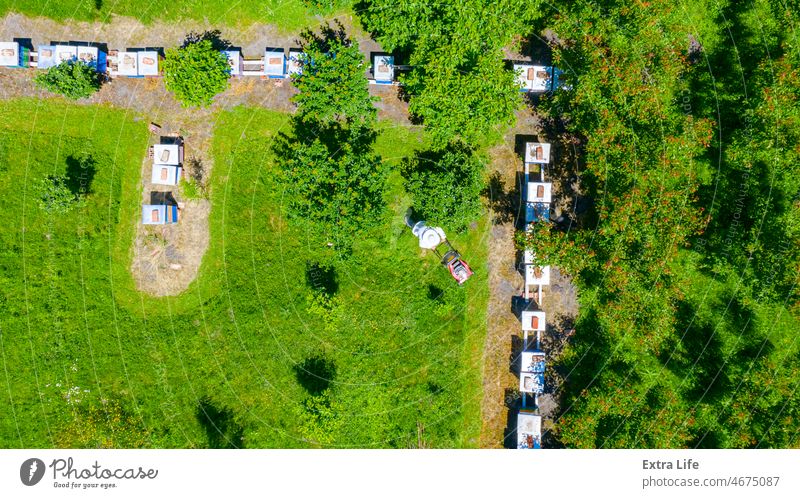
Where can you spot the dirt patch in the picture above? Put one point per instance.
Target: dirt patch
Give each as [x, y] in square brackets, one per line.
[506, 282]
[166, 258]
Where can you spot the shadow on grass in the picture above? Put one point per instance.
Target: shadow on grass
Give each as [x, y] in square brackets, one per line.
[315, 374]
[221, 429]
[322, 278]
[214, 36]
[80, 174]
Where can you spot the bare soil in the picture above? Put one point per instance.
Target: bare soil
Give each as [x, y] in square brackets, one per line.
[506, 284]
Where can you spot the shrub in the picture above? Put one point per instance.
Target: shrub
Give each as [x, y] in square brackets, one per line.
[446, 185]
[72, 79]
[196, 72]
[55, 196]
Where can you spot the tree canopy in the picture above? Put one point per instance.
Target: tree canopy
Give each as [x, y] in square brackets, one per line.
[331, 84]
[55, 196]
[333, 179]
[687, 260]
[458, 84]
[196, 72]
[72, 79]
[446, 186]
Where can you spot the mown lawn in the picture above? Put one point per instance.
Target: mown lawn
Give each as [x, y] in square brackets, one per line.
[250, 355]
[287, 15]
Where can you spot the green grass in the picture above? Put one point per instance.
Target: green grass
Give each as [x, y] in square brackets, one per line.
[219, 364]
[287, 15]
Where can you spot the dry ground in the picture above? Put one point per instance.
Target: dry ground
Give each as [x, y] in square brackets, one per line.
[506, 282]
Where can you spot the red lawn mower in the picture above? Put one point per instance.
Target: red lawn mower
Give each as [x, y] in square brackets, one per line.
[432, 238]
[459, 268]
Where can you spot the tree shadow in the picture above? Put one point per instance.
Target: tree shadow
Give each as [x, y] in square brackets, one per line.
[504, 202]
[515, 355]
[434, 292]
[591, 355]
[163, 198]
[214, 36]
[222, 431]
[80, 174]
[328, 36]
[510, 431]
[315, 374]
[195, 170]
[322, 278]
[538, 49]
[434, 388]
[3, 156]
[608, 426]
[714, 354]
[25, 43]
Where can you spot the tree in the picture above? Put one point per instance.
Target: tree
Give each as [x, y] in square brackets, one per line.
[334, 183]
[643, 163]
[458, 85]
[333, 179]
[72, 79]
[760, 205]
[331, 83]
[55, 195]
[196, 72]
[320, 419]
[677, 346]
[457, 102]
[445, 185]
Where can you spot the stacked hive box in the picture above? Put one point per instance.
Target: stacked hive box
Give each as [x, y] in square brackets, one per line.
[537, 195]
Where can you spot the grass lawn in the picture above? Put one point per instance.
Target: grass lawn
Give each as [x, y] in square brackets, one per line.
[249, 355]
[287, 15]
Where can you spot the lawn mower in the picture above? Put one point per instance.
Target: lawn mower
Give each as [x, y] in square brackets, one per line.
[432, 238]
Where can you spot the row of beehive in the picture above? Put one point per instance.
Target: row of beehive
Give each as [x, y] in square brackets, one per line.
[537, 196]
[274, 63]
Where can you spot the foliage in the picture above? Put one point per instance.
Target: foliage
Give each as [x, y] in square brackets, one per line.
[331, 86]
[570, 253]
[320, 419]
[446, 185]
[196, 72]
[54, 196]
[72, 79]
[643, 159]
[757, 227]
[469, 104]
[683, 337]
[458, 85]
[327, 309]
[334, 181]
[334, 184]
